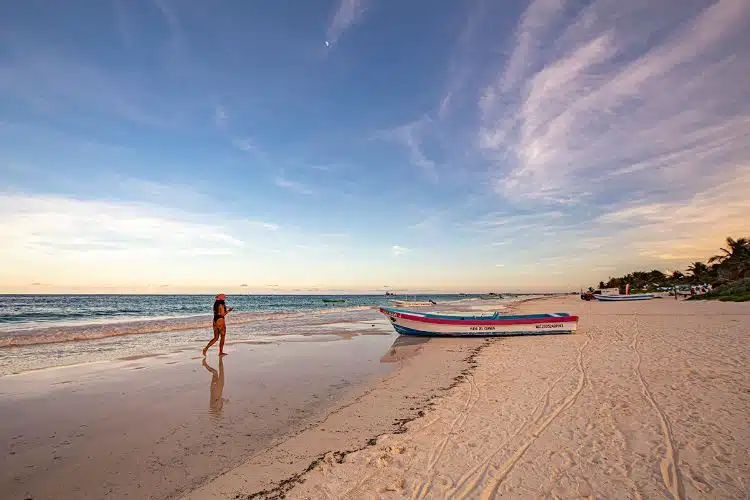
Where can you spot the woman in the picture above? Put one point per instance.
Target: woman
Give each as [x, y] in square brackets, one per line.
[220, 326]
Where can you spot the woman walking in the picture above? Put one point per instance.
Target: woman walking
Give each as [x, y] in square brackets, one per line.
[220, 326]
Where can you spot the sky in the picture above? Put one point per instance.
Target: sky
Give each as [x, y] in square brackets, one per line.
[180, 146]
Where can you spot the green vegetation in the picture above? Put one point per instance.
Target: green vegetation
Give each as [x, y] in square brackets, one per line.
[736, 291]
[728, 273]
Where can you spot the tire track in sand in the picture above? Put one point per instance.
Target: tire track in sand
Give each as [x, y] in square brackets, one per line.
[669, 465]
[438, 451]
[490, 490]
[472, 477]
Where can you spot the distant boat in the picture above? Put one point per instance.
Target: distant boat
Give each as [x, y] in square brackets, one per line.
[452, 325]
[491, 296]
[334, 300]
[413, 303]
[618, 298]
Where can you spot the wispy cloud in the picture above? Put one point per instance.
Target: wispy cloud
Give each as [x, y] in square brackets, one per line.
[245, 145]
[397, 250]
[587, 108]
[52, 83]
[265, 225]
[349, 13]
[293, 186]
[221, 116]
[681, 230]
[409, 135]
[55, 225]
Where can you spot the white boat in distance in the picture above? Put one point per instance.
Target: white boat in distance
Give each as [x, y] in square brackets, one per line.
[413, 303]
[618, 298]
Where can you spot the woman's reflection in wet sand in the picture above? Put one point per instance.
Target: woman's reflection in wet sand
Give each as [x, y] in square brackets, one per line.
[216, 403]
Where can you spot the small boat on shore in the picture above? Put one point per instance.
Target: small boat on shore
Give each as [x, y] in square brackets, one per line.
[618, 298]
[413, 303]
[452, 325]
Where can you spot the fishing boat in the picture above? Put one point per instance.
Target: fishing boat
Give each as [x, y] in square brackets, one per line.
[618, 298]
[334, 300]
[413, 303]
[452, 325]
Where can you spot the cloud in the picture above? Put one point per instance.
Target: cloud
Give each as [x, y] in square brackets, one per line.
[293, 186]
[244, 285]
[397, 250]
[409, 135]
[245, 145]
[506, 223]
[56, 226]
[349, 13]
[265, 225]
[221, 117]
[52, 83]
[681, 230]
[587, 108]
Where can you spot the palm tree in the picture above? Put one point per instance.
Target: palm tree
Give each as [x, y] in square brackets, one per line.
[698, 270]
[736, 247]
[734, 263]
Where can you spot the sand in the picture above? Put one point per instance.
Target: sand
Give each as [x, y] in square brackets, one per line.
[648, 400]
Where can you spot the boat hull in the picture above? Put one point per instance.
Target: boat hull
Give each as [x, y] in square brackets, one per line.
[437, 325]
[407, 303]
[620, 298]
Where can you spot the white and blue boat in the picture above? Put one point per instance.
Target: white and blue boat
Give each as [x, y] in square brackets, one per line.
[618, 298]
[467, 325]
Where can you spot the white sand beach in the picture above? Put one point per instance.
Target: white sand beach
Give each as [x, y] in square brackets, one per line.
[647, 400]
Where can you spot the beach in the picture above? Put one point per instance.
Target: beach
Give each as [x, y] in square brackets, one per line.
[647, 399]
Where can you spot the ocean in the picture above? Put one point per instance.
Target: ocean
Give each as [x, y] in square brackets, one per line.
[41, 319]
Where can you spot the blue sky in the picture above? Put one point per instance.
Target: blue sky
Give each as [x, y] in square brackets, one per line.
[350, 145]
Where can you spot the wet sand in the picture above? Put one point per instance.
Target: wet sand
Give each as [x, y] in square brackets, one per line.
[648, 400]
[157, 426]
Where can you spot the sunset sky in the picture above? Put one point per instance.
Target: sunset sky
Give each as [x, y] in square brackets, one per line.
[351, 145]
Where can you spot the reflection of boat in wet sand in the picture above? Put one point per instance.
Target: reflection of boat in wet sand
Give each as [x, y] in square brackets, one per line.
[404, 347]
[451, 325]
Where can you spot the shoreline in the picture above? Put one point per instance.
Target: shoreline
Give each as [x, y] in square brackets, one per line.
[29, 333]
[270, 474]
[622, 406]
[408, 401]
